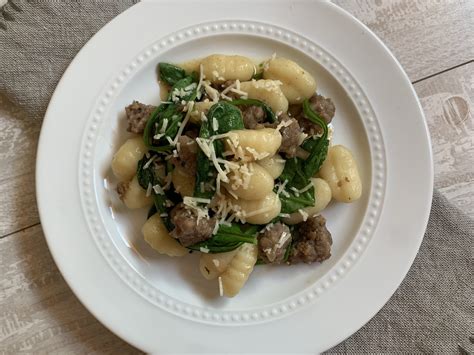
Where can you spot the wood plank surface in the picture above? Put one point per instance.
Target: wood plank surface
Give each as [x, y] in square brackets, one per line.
[18, 141]
[38, 311]
[448, 103]
[426, 36]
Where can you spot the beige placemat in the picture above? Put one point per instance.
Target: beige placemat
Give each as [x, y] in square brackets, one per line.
[431, 312]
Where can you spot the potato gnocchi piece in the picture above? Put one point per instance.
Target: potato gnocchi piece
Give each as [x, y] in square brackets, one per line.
[124, 163]
[297, 83]
[219, 68]
[322, 196]
[182, 181]
[250, 182]
[260, 211]
[212, 265]
[268, 91]
[239, 269]
[256, 144]
[157, 236]
[133, 195]
[340, 171]
[273, 164]
[198, 109]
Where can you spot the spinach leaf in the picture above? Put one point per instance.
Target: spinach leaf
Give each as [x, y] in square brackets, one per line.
[228, 238]
[258, 76]
[172, 115]
[151, 211]
[292, 201]
[170, 73]
[203, 165]
[183, 90]
[269, 115]
[150, 125]
[145, 176]
[318, 148]
[228, 118]
[295, 201]
[227, 115]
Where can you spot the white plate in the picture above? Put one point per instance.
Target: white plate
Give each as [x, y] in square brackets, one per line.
[163, 305]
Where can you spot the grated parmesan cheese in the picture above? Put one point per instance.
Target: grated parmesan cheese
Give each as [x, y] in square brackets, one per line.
[148, 190]
[304, 214]
[158, 189]
[164, 125]
[215, 124]
[148, 163]
[185, 121]
[221, 288]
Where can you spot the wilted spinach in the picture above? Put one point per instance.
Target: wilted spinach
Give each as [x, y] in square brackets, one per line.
[228, 118]
[318, 148]
[269, 114]
[170, 73]
[228, 238]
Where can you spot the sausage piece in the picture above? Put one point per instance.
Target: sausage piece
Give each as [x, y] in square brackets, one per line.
[273, 242]
[189, 229]
[137, 116]
[314, 242]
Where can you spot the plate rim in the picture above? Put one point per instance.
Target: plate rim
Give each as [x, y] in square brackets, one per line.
[375, 194]
[39, 178]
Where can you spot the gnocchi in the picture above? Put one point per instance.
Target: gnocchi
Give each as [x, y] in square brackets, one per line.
[124, 163]
[157, 236]
[227, 170]
[260, 211]
[219, 68]
[239, 269]
[322, 196]
[200, 108]
[212, 265]
[255, 144]
[250, 182]
[273, 164]
[268, 91]
[133, 195]
[341, 172]
[183, 182]
[297, 83]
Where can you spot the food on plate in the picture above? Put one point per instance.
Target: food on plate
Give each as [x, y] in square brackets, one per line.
[237, 165]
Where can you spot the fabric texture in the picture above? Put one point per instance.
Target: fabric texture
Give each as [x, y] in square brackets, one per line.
[38, 40]
[433, 309]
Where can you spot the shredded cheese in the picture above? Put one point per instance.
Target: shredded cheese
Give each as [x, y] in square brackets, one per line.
[304, 214]
[158, 189]
[148, 163]
[215, 124]
[221, 288]
[148, 190]
[164, 125]
[185, 121]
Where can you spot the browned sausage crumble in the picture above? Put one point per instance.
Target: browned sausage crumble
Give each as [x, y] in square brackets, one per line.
[313, 243]
[273, 242]
[137, 116]
[188, 228]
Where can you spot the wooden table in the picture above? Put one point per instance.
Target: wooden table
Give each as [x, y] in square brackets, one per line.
[433, 41]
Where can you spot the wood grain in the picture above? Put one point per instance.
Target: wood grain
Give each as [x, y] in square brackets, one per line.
[427, 37]
[18, 141]
[38, 311]
[448, 102]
